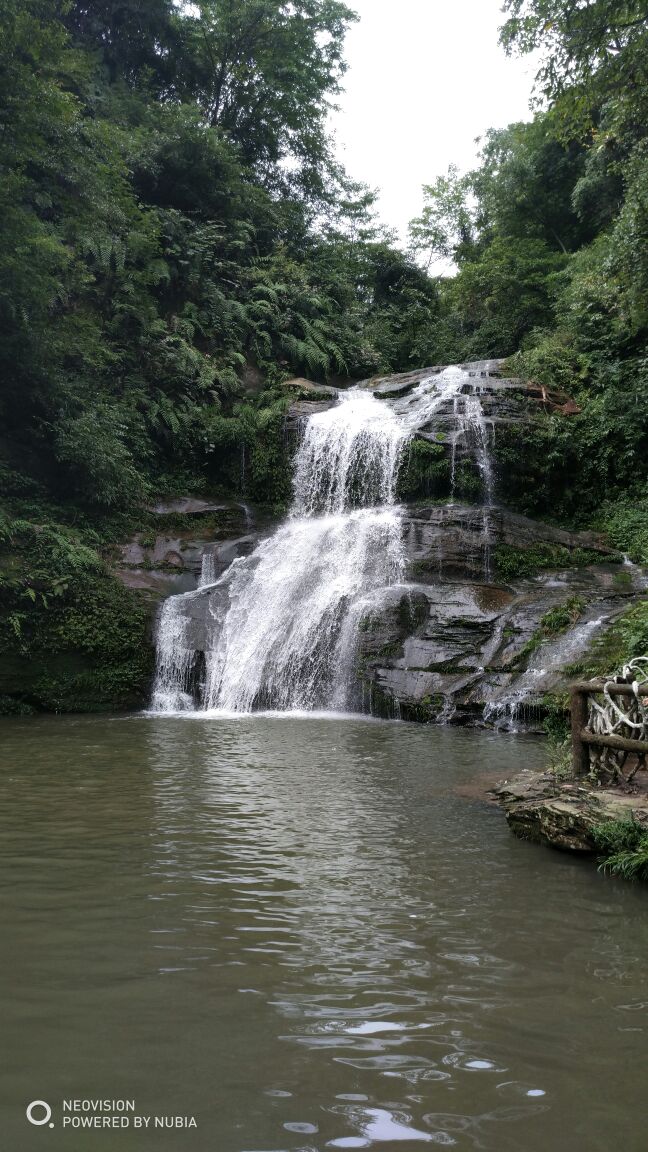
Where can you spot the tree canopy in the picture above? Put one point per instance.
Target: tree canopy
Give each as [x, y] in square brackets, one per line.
[549, 237]
[172, 219]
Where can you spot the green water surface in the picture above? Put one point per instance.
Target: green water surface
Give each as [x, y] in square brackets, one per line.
[305, 933]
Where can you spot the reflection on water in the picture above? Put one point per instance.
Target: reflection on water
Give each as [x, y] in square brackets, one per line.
[306, 934]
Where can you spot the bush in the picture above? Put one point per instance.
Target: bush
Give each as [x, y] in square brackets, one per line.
[73, 639]
[625, 523]
[624, 848]
[624, 641]
[511, 562]
[99, 467]
[425, 471]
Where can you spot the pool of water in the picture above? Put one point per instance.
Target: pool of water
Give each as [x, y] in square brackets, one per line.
[305, 933]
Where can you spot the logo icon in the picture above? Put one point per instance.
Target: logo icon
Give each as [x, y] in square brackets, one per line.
[36, 1105]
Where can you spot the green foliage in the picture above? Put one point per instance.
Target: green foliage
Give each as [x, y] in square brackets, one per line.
[557, 723]
[423, 711]
[625, 523]
[503, 291]
[290, 58]
[554, 622]
[171, 218]
[173, 227]
[525, 185]
[512, 563]
[562, 617]
[559, 751]
[425, 471]
[551, 361]
[11, 707]
[550, 238]
[590, 52]
[176, 240]
[626, 639]
[445, 226]
[623, 845]
[72, 638]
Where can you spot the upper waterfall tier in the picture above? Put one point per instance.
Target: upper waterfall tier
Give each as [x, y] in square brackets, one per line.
[348, 457]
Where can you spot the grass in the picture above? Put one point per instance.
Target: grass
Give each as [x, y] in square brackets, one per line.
[624, 848]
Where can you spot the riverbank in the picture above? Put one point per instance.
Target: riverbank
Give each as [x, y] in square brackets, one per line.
[571, 815]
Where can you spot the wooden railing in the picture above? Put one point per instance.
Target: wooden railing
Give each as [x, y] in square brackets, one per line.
[582, 737]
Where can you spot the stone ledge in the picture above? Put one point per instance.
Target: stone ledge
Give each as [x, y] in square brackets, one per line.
[563, 813]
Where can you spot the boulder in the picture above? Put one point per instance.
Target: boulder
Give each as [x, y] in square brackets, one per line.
[563, 814]
[309, 389]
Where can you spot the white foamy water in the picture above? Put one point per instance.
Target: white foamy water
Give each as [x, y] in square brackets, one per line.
[473, 428]
[283, 643]
[280, 627]
[349, 457]
[207, 569]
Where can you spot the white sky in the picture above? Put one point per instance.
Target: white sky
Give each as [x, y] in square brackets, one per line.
[425, 78]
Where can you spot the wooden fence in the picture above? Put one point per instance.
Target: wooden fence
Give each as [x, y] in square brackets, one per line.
[582, 737]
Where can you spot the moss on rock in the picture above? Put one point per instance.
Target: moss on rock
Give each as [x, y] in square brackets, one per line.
[73, 639]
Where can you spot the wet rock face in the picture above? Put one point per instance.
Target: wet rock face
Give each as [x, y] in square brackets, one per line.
[462, 638]
[420, 672]
[454, 645]
[451, 541]
[308, 389]
[198, 611]
[169, 561]
[299, 412]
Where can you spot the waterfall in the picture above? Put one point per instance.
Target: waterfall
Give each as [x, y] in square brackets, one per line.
[508, 710]
[477, 422]
[349, 457]
[175, 658]
[286, 640]
[282, 624]
[474, 430]
[207, 569]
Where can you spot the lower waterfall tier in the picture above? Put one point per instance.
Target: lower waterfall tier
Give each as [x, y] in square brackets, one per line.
[429, 640]
[279, 629]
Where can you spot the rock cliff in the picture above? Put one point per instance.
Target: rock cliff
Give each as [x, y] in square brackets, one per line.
[493, 608]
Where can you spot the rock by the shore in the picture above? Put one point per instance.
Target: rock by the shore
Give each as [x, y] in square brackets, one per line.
[563, 814]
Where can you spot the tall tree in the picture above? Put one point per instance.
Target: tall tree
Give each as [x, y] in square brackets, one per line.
[592, 52]
[264, 71]
[133, 37]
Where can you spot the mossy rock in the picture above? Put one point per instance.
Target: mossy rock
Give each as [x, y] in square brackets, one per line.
[73, 639]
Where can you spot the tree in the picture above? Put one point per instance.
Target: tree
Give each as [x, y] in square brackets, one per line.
[264, 72]
[592, 52]
[133, 37]
[525, 185]
[444, 230]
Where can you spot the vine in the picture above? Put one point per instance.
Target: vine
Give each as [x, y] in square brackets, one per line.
[625, 716]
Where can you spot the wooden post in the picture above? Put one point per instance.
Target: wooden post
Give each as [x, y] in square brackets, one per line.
[580, 751]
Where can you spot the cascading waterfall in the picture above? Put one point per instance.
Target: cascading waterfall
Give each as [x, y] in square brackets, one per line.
[475, 419]
[207, 569]
[519, 705]
[283, 622]
[477, 422]
[472, 427]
